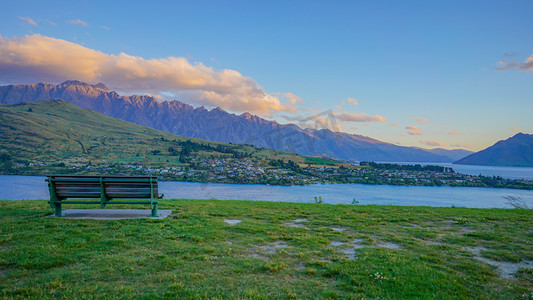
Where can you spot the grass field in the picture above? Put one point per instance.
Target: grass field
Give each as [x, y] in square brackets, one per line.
[277, 250]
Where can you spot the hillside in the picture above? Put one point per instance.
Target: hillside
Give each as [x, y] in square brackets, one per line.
[218, 125]
[516, 151]
[56, 136]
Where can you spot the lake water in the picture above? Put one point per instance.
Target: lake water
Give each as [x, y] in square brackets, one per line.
[34, 187]
[505, 172]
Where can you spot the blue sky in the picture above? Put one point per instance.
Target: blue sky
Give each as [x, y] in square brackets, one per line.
[423, 73]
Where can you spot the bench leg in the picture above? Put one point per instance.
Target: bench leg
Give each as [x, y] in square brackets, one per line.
[155, 214]
[57, 208]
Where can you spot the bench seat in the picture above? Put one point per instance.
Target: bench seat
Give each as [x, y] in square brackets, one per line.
[104, 188]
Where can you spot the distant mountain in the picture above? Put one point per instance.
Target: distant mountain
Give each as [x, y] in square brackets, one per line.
[516, 151]
[455, 154]
[218, 125]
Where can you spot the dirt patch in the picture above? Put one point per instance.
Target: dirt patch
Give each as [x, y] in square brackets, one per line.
[269, 249]
[349, 253]
[412, 225]
[297, 223]
[336, 244]
[338, 229]
[433, 243]
[389, 245]
[349, 249]
[232, 221]
[506, 269]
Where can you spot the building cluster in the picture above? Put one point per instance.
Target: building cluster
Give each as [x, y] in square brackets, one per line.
[252, 171]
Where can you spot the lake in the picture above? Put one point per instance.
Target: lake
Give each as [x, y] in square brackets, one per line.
[34, 187]
[505, 172]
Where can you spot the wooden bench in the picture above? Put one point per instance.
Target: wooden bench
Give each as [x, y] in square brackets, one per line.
[105, 188]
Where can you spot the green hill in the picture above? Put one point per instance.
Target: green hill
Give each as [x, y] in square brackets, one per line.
[56, 136]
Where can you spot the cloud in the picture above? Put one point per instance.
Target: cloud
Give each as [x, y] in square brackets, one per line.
[352, 101]
[338, 107]
[292, 98]
[511, 64]
[516, 129]
[515, 122]
[353, 117]
[78, 22]
[462, 146]
[29, 20]
[413, 130]
[433, 143]
[39, 58]
[337, 127]
[453, 132]
[420, 121]
[104, 27]
[510, 54]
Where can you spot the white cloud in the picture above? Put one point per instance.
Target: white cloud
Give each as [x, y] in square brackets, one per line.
[413, 130]
[29, 20]
[511, 64]
[39, 58]
[433, 143]
[78, 22]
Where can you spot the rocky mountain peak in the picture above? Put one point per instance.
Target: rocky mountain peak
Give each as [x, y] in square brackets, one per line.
[216, 124]
[77, 83]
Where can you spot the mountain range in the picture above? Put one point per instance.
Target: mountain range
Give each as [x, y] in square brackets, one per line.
[516, 151]
[218, 125]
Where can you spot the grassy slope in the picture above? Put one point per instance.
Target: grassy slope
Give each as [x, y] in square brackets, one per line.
[193, 253]
[57, 131]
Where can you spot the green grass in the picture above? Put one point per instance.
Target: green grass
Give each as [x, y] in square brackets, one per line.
[195, 254]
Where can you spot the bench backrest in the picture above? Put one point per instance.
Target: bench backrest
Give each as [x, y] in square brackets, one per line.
[114, 186]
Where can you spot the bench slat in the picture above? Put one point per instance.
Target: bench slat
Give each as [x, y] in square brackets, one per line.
[91, 187]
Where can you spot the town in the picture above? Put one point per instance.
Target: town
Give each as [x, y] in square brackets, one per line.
[280, 172]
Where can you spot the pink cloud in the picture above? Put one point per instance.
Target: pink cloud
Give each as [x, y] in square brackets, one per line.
[292, 98]
[453, 132]
[413, 130]
[29, 20]
[78, 22]
[420, 121]
[353, 117]
[511, 64]
[352, 101]
[462, 146]
[433, 143]
[37, 58]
